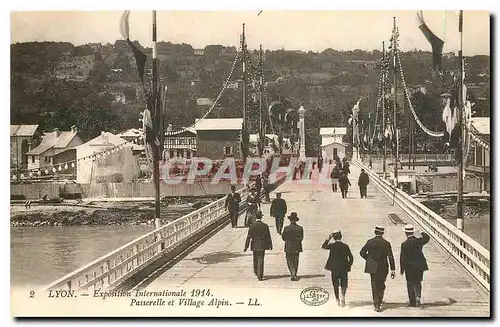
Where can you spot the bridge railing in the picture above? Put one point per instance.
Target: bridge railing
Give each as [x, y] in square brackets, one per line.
[111, 270]
[470, 254]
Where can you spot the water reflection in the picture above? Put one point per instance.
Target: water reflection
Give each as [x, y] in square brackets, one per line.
[40, 255]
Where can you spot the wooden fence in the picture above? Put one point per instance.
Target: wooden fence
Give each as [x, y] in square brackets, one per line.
[116, 190]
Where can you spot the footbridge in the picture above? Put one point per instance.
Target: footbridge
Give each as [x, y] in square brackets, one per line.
[201, 250]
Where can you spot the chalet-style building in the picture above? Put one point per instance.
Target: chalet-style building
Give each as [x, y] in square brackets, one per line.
[180, 144]
[52, 144]
[218, 138]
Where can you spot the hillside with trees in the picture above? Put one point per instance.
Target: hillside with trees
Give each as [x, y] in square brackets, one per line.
[59, 85]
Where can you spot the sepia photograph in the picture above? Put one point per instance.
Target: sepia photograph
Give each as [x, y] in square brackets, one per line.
[260, 163]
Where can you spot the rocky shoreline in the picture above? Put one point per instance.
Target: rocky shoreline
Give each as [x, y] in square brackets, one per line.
[472, 208]
[121, 214]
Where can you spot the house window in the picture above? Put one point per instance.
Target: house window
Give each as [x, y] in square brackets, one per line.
[32, 159]
[334, 152]
[188, 154]
[228, 150]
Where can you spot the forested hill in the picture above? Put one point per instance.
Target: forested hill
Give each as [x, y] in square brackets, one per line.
[57, 84]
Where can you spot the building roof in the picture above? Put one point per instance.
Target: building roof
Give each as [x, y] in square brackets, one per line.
[63, 139]
[481, 124]
[332, 130]
[137, 147]
[106, 138]
[183, 130]
[132, 132]
[23, 130]
[56, 140]
[333, 142]
[218, 124]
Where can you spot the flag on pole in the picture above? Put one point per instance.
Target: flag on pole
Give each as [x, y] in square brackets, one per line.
[140, 58]
[436, 43]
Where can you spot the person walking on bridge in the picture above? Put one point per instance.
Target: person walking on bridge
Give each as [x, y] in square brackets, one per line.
[260, 238]
[413, 263]
[265, 185]
[376, 252]
[232, 205]
[345, 166]
[293, 235]
[344, 184]
[339, 264]
[278, 211]
[253, 205]
[363, 182]
[334, 175]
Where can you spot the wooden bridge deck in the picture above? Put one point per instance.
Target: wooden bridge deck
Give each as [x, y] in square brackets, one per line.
[221, 264]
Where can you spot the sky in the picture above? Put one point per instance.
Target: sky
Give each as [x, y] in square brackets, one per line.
[291, 30]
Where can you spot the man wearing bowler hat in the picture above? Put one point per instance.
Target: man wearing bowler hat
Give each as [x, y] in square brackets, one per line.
[259, 234]
[413, 263]
[293, 235]
[376, 251]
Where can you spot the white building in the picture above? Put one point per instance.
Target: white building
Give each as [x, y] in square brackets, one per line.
[331, 142]
[116, 162]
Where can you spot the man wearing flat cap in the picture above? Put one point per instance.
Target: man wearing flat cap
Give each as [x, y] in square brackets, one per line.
[259, 235]
[339, 264]
[376, 251]
[413, 263]
[293, 235]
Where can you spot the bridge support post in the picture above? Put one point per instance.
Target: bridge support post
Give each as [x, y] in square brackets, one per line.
[302, 152]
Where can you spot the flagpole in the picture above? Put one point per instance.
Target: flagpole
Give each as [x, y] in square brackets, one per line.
[383, 106]
[157, 129]
[394, 52]
[244, 95]
[261, 134]
[460, 222]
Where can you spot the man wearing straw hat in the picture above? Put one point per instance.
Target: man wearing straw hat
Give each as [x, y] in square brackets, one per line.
[413, 263]
[339, 264]
[376, 251]
[259, 234]
[293, 235]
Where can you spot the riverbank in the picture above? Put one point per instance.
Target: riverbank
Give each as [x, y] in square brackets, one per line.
[476, 213]
[102, 213]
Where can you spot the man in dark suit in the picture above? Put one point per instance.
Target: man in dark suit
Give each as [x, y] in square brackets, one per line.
[232, 205]
[293, 235]
[363, 182]
[260, 236]
[376, 251]
[344, 184]
[413, 263]
[339, 264]
[278, 211]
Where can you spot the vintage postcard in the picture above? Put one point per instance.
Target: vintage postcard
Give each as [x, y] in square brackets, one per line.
[250, 163]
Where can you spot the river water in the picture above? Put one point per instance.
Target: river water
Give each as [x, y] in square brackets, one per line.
[41, 255]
